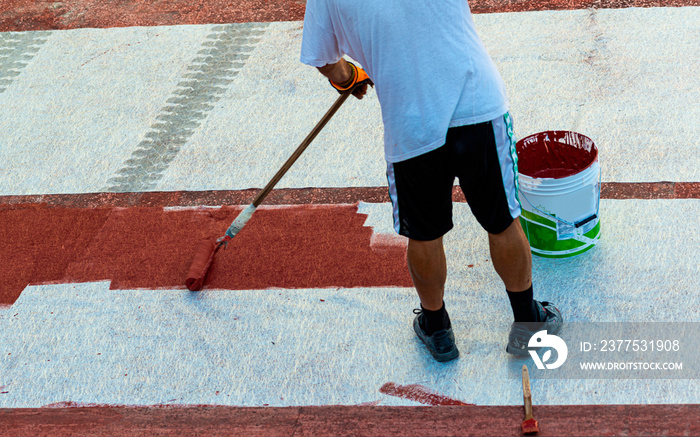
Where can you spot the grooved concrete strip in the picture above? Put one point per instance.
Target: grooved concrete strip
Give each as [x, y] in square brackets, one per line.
[221, 58]
[80, 108]
[16, 51]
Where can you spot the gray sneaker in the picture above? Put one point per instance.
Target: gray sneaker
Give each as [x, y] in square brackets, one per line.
[520, 333]
[441, 344]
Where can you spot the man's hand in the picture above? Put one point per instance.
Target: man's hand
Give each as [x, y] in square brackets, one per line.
[344, 75]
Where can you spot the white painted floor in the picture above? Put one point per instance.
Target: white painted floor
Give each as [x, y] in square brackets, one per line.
[87, 344]
[88, 98]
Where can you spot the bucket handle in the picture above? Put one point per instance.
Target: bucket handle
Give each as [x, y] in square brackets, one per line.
[576, 224]
[584, 221]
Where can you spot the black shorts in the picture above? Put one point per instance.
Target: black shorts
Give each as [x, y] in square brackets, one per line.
[482, 156]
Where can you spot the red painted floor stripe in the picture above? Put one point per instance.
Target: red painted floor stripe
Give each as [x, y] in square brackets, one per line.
[297, 247]
[311, 196]
[339, 421]
[57, 238]
[23, 15]
[492, 6]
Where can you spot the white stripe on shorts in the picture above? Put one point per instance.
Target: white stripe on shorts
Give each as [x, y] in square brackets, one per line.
[508, 158]
[391, 178]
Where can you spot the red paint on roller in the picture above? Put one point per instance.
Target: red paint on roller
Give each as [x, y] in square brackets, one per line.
[203, 257]
[418, 393]
[555, 154]
[288, 247]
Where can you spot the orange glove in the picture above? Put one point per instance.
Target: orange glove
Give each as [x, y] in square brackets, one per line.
[358, 79]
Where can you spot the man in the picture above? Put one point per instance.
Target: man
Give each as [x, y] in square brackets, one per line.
[445, 116]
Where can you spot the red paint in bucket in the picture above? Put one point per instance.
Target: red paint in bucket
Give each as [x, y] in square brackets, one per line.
[555, 154]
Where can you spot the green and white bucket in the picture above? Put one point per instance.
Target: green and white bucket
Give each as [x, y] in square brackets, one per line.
[559, 190]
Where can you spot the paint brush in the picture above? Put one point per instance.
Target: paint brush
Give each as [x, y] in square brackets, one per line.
[529, 425]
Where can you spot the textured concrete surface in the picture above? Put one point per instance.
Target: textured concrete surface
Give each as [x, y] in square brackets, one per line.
[201, 106]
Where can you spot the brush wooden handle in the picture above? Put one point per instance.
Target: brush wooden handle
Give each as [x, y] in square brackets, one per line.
[247, 213]
[304, 144]
[527, 394]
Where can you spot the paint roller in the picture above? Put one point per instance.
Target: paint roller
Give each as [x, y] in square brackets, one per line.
[206, 249]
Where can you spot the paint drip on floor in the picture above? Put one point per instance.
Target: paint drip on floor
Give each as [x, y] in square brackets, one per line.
[418, 393]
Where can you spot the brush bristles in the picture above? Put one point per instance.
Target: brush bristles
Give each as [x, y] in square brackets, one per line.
[530, 426]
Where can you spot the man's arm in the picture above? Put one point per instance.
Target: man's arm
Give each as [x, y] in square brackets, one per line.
[341, 73]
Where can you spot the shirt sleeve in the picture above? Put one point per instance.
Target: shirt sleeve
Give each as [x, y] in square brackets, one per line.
[319, 44]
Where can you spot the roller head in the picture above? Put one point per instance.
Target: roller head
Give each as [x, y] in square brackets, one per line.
[203, 257]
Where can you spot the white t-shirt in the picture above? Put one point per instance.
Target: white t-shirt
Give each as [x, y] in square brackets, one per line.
[430, 69]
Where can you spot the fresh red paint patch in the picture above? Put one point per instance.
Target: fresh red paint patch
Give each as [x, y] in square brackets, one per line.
[289, 247]
[418, 393]
[38, 243]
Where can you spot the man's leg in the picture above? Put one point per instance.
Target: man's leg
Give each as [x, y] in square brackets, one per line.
[510, 252]
[428, 268]
[488, 177]
[421, 194]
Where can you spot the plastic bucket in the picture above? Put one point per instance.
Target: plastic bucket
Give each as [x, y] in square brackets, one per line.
[559, 191]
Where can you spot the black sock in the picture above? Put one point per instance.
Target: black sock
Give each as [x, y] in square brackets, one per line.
[435, 320]
[524, 309]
